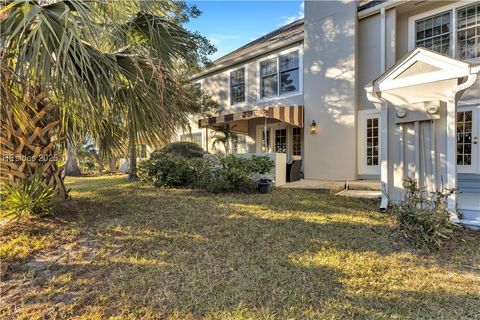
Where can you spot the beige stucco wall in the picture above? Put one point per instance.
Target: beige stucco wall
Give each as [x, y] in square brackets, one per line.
[330, 97]
[216, 85]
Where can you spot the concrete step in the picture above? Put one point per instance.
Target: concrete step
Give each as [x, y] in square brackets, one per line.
[367, 194]
[471, 224]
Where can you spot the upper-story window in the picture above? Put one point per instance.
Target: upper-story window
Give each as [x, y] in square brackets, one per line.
[455, 31]
[434, 33]
[468, 31]
[237, 86]
[279, 75]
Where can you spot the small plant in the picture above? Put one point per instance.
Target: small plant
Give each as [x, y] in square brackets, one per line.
[29, 197]
[425, 222]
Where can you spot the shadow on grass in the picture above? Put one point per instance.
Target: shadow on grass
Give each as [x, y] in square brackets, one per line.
[187, 254]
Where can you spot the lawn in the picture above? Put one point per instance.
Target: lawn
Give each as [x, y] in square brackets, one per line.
[122, 250]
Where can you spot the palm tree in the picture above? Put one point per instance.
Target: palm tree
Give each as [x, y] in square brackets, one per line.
[226, 136]
[90, 62]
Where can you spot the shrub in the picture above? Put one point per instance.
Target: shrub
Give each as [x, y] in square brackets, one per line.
[183, 149]
[174, 171]
[219, 174]
[230, 174]
[29, 197]
[426, 223]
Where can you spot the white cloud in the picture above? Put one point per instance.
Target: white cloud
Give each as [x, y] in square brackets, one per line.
[299, 15]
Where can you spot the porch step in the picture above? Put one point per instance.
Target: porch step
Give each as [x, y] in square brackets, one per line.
[471, 224]
[367, 194]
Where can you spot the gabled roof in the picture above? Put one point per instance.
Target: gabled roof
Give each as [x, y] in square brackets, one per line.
[283, 34]
[421, 66]
[279, 34]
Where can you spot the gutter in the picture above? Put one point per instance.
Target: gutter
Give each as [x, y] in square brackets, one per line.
[382, 106]
[250, 55]
[376, 9]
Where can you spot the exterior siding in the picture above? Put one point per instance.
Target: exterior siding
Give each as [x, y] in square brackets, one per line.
[330, 96]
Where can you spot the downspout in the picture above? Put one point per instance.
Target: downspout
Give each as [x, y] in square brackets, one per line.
[452, 144]
[382, 105]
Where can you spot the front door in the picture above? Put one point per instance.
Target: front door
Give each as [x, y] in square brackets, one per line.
[468, 140]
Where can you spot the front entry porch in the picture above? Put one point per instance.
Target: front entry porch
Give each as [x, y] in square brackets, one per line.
[424, 133]
[274, 131]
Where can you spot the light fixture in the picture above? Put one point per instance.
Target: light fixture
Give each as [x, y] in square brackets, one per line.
[313, 127]
[432, 108]
[401, 113]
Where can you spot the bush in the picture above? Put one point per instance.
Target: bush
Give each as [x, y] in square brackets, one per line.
[426, 223]
[231, 174]
[220, 174]
[183, 149]
[174, 171]
[29, 197]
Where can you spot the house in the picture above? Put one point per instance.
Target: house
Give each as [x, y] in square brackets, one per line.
[375, 90]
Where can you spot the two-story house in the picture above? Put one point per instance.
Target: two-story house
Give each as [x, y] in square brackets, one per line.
[362, 90]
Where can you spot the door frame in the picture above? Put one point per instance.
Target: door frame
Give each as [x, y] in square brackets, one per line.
[475, 167]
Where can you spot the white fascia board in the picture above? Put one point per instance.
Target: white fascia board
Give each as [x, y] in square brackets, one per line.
[376, 9]
[249, 56]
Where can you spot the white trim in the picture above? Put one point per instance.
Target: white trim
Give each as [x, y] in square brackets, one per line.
[276, 55]
[363, 116]
[475, 166]
[450, 69]
[250, 55]
[452, 8]
[228, 72]
[375, 9]
[383, 49]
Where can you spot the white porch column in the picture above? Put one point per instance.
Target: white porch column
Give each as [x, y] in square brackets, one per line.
[451, 182]
[382, 106]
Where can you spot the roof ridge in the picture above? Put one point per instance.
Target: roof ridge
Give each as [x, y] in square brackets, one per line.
[267, 36]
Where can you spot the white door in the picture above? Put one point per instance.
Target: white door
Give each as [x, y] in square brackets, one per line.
[468, 140]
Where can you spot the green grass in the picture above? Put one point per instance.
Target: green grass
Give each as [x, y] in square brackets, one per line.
[121, 250]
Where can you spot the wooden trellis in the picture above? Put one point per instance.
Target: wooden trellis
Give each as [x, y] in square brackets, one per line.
[28, 150]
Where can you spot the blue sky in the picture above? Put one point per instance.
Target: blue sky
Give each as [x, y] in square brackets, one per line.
[231, 24]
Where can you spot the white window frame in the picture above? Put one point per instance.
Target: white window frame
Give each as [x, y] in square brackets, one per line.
[238, 104]
[277, 55]
[363, 116]
[271, 127]
[202, 145]
[453, 38]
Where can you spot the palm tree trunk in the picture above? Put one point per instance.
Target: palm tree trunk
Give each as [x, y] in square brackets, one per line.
[71, 166]
[25, 150]
[132, 150]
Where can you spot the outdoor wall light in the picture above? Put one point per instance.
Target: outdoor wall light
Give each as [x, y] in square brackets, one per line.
[313, 127]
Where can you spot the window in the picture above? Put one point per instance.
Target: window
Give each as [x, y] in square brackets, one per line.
[289, 77]
[263, 147]
[455, 31]
[280, 75]
[464, 138]
[372, 142]
[297, 142]
[237, 86]
[269, 80]
[193, 137]
[468, 31]
[434, 33]
[281, 140]
[241, 146]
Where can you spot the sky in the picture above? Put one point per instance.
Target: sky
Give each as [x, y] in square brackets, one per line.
[231, 24]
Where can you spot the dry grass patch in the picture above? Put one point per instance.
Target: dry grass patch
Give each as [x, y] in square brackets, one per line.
[123, 250]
